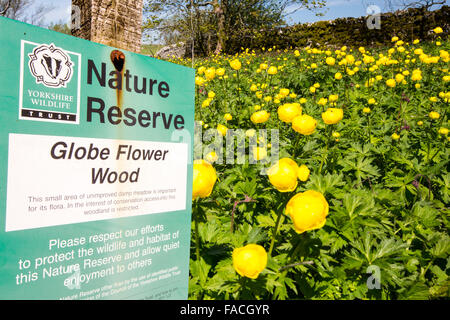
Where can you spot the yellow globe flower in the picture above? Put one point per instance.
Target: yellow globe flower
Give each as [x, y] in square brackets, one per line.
[210, 73]
[438, 30]
[272, 70]
[399, 77]
[366, 110]
[303, 173]
[333, 97]
[371, 101]
[235, 64]
[250, 133]
[283, 175]
[336, 134]
[416, 76]
[259, 153]
[420, 123]
[201, 70]
[260, 116]
[199, 81]
[338, 76]
[222, 129]
[350, 59]
[304, 124]
[284, 92]
[443, 131]
[206, 102]
[369, 59]
[330, 61]
[204, 179]
[220, 72]
[332, 115]
[391, 83]
[263, 66]
[287, 112]
[249, 261]
[211, 157]
[434, 115]
[228, 117]
[395, 136]
[308, 211]
[322, 101]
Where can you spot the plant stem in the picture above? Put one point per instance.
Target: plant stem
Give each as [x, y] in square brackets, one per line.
[239, 89]
[197, 237]
[242, 282]
[428, 145]
[296, 146]
[277, 224]
[325, 155]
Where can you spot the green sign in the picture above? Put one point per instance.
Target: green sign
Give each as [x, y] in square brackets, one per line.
[96, 170]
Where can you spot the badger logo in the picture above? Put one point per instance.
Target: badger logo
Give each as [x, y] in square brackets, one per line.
[50, 66]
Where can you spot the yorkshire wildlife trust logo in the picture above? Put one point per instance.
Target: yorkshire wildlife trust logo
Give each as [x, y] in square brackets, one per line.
[49, 83]
[50, 65]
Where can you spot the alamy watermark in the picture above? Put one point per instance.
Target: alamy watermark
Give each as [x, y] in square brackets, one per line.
[75, 17]
[237, 146]
[374, 280]
[374, 17]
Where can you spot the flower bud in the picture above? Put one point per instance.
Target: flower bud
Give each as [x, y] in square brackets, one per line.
[303, 173]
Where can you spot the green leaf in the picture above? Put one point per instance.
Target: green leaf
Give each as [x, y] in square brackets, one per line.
[200, 269]
[265, 221]
[442, 247]
[419, 291]
[256, 235]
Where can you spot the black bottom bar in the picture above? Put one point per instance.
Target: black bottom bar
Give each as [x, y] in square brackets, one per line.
[48, 115]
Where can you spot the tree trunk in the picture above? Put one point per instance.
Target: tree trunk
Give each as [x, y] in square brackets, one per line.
[218, 10]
